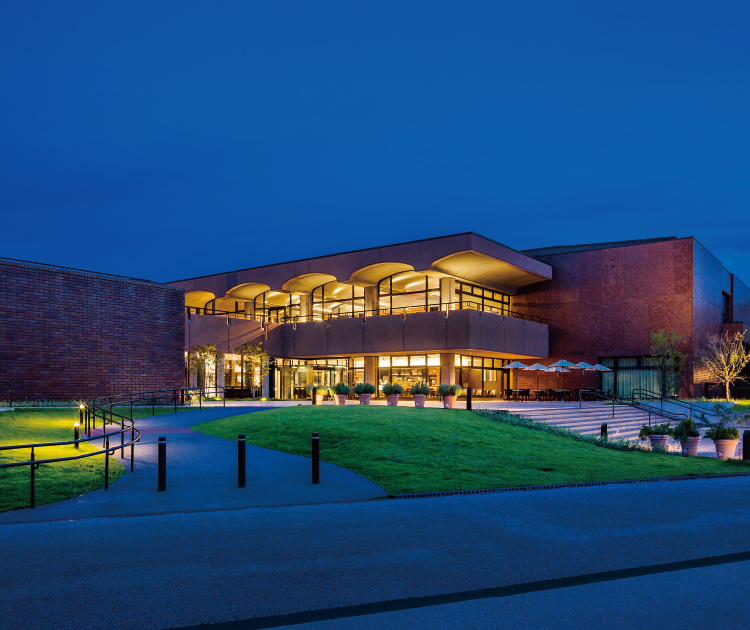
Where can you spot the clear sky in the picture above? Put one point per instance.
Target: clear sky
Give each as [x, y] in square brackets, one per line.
[166, 140]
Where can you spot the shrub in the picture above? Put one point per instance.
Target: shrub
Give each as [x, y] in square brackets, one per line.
[720, 432]
[419, 388]
[391, 388]
[322, 390]
[364, 388]
[342, 389]
[657, 429]
[687, 428]
[450, 390]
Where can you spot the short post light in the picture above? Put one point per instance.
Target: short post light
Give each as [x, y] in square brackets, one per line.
[81, 407]
[76, 433]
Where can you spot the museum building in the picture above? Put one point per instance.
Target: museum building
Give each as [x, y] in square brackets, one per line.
[458, 308]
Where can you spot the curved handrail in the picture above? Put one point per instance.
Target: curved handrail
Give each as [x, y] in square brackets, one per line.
[101, 408]
[677, 417]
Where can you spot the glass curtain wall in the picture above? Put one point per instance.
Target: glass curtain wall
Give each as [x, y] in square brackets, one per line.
[276, 307]
[472, 296]
[333, 299]
[408, 371]
[483, 375]
[295, 377]
[629, 373]
[408, 292]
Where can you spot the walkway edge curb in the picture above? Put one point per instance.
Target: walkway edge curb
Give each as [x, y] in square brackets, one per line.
[581, 484]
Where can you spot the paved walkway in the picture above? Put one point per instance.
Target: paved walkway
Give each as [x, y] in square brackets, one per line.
[185, 569]
[202, 475]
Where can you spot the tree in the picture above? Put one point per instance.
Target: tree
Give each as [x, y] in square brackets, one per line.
[201, 358]
[725, 357]
[668, 360]
[256, 361]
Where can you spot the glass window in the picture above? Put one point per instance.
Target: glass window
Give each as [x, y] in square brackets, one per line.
[399, 361]
[418, 360]
[384, 361]
[465, 361]
[433, 359]
[477, 361]
[628, 362]
[359, 362]
[458, 359]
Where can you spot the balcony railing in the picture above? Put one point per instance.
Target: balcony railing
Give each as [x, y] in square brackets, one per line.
[327, 316]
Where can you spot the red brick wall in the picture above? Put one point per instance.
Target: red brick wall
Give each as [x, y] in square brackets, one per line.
[67, 334]
[607, 302]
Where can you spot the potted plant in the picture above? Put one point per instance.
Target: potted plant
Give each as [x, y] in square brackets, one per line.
[686, 433]
[724, 433]
[364, 391]
[342, 391]
[392, 392]
[419, 392]
[657, 434]
[320, 392]
[449, 394]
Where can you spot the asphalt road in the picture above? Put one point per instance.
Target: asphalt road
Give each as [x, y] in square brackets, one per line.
[184, 569]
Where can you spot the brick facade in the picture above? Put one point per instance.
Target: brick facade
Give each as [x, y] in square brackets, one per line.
[68, 334]
[607, 303]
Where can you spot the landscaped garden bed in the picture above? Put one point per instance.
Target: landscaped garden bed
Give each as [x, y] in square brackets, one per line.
[408, 449]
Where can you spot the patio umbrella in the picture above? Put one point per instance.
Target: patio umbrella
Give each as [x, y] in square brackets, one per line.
[537, 367]
[586, 368]
[559, 369]
[514, 366]
[562, 363]
[600, 368]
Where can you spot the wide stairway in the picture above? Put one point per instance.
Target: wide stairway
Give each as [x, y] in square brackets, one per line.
[627, 421]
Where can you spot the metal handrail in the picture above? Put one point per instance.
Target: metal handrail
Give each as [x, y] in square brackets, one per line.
[641, 393]
[444, 306]
[100, 408]
[10, 387]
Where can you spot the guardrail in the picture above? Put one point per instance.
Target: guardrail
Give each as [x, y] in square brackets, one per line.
[645, 394]
[104, 409]
[318, 317]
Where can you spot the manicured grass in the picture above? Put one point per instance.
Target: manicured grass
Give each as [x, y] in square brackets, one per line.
[405, 449]
[58, 481]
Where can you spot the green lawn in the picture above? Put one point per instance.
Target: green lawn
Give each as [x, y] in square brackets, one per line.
[61, 480]
[405, 449]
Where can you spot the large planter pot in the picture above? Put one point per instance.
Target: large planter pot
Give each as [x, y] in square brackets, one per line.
[392, 399]
[319, 399]
[658, 440]
[690, 445]
[725, 449]
[341, 398]
[364, 399]
[419, 400]
[449, 402]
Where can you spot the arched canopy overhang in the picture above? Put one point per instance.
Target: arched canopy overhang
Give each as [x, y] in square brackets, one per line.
[198, 299]
[247, 291]
[372, 274]
[481, 269]
[306, 282]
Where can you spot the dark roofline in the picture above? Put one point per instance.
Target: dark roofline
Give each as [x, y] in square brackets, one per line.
[92, 273]
[570, 249]
[352, 251]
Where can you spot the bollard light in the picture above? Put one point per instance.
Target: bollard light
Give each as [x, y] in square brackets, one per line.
[81, 407]
[76, 429]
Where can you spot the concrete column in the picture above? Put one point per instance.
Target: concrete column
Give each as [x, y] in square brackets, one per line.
[448, 368]
[447, 292]
[249, 309]
[305, 305]
[265, 391]
[371, 370]
[371, 302]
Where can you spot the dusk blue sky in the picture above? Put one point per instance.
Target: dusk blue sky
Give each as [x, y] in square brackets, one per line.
[166, 140]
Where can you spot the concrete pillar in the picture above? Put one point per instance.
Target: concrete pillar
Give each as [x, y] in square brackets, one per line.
[371, 302]
[266, 386]
[448, 368]
[249, 309]
[371, 370]
[305, 306]
[447, 292]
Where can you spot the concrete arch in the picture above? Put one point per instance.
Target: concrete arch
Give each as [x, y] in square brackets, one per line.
[307, 282]
[247, 291]
[372, 274]
[198, 299]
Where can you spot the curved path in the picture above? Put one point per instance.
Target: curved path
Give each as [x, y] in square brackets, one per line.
[202, 476]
